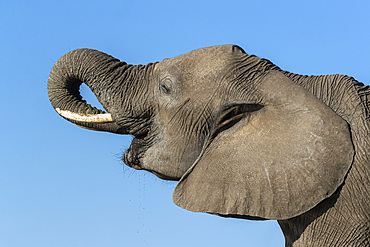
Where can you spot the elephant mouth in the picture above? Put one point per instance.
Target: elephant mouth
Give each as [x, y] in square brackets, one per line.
[134, 154]
[139, 145]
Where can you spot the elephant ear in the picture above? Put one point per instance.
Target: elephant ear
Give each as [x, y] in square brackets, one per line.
[275, 163]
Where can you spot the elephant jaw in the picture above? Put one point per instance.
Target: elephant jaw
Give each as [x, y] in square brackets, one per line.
[132, 158]
[134, 155]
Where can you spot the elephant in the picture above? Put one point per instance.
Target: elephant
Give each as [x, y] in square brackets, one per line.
[242, 137]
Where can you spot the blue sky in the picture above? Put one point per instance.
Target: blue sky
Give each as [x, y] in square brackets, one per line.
[61, 185]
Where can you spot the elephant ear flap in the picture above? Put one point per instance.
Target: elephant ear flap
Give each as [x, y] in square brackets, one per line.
[275, 163]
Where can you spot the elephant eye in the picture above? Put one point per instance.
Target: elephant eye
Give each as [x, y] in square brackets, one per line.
[164, 88]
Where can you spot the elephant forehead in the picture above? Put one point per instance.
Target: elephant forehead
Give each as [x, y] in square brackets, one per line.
[202, 62]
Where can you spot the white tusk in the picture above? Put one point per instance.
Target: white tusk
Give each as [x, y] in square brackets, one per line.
[86, 118]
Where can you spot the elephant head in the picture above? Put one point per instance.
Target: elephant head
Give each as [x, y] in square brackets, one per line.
[243, 138]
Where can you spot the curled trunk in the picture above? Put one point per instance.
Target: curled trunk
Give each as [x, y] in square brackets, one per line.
[99, 72]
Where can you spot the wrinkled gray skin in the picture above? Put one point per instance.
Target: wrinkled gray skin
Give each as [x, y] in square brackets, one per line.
[244, 138]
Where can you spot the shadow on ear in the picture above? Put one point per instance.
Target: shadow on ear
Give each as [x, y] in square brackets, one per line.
[276, 163]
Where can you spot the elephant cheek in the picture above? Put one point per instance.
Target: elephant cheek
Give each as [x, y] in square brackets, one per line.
[157, 160]
[170, 160]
